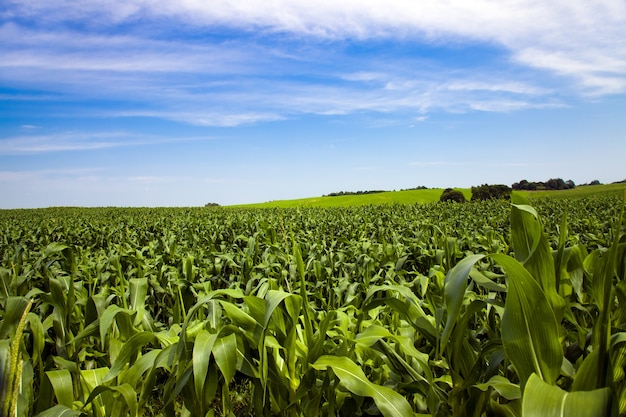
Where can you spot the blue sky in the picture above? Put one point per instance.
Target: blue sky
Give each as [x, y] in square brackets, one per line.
[161, 103]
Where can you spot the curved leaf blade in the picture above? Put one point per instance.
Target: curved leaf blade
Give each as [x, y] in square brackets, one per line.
[530, 333]
[389, 402]
[542, 399]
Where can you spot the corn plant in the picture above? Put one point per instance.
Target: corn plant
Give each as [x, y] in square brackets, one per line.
[486, 308]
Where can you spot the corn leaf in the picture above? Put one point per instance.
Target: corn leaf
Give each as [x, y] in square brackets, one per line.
[543, 399]
[533, 250]
[61, 382]
[503, 386]
[454, 291]
[60, 410]
[389, 402]
[202, 347]
[530, 334]
[225, 353]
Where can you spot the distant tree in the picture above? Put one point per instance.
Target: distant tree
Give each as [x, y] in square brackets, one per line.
[211, 205]
[340, 193]
[551, 184]
[525, 185]
[555, 184]
[452, 195]
[595, 182]
[491, 192]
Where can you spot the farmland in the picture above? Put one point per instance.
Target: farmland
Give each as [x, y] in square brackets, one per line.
[431, 195]
[438, 309]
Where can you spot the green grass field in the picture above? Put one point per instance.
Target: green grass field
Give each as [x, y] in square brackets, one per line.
[581, 191]
[390, 197]
[429, 196]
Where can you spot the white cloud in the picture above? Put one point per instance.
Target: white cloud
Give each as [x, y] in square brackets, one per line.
[50, 175]
[70, 50]
[61, 142]
[205, 118]
[81, 141]
[224, 81]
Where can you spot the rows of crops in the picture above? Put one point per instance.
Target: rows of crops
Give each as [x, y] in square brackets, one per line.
[440, 309]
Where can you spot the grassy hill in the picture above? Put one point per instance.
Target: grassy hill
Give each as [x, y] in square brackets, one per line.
[429, 196]
[580, 191]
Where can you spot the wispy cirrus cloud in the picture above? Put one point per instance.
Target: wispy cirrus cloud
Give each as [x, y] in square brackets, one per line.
[254, 61]
[67, 141]
[81, 141]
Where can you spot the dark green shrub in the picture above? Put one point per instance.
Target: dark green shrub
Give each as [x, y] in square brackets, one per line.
[452, 195]
[491, 192]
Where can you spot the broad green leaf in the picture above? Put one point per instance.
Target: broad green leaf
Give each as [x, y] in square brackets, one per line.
[372, 334]
[273, 299]
[543, 399]
[134, 375]
[239, 317]
[60, 410]
[308, 320]
[225, 353]
[109, 315]
[409, 306]
[587, 375]
[126, 392]
[602, 289]
[61, 382]
[481, 279]
[54, 247]
[389, 402]
[533, 250]
[454, 291]
[202, 347]
[375, 333]
[503, 386]
[14, 308]
[130, 350]
[530, 333]
[90, 379]
[138, 291]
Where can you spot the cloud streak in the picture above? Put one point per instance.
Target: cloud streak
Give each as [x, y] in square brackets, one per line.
[82, 141]
[250, 62]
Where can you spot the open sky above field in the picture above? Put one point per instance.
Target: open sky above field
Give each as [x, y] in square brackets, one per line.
[177, 103]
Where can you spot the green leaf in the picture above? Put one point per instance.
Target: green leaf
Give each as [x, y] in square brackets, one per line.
[542, 399]
[533, 250]
[389, 402]
[410, 307]
[129, 350]
[484, 281]
[503, 386]
[138, 291]
[60, 410]
[272, 300]
[61, 382]
[14, 308]
[587, 375]
[454, 291]
[54, 247]
[530, 333]
[225, 353]
[202, 347]
[109, 315]
[127, 393]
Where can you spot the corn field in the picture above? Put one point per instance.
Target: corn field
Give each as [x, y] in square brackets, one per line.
[478, 309]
